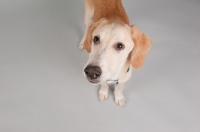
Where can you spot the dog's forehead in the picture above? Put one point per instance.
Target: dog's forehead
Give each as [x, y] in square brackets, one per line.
[116, 31]
[120, 32]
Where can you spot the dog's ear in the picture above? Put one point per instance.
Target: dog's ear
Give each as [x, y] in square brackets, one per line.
[91, 28]
[142, 45]
[88, 38]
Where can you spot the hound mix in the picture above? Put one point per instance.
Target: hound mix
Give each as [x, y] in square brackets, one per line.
[114, 46]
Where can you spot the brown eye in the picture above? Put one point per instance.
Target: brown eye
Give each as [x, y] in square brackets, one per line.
[96, 39]
[120, 46]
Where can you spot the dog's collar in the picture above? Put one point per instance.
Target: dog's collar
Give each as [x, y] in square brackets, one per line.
[128, 69]
[117, 80]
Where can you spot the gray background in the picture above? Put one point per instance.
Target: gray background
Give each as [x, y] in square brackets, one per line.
[42, 88]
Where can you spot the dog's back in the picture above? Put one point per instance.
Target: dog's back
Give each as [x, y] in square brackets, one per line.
[109, 9]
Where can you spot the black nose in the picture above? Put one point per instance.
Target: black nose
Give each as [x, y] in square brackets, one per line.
[92, 72]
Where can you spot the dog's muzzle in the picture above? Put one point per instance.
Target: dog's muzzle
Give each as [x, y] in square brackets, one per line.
[93, 73]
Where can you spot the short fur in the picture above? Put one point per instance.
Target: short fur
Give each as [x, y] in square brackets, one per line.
[108, 19]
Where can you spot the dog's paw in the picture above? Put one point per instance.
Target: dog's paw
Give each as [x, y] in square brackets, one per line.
[119, 99]
[103, 95]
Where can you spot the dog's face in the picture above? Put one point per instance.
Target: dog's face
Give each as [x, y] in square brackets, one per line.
[110, 46]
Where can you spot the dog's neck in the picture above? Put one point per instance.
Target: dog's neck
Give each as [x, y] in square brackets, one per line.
[117, 80]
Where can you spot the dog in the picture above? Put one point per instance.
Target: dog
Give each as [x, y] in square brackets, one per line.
[114, 46]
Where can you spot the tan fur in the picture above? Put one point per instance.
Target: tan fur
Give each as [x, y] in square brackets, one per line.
[142, 47]
[109, 9]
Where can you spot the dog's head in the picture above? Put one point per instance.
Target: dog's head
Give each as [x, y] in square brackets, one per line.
[111, 46]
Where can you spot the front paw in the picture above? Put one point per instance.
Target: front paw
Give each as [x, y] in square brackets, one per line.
[103, 95]
[119, 99]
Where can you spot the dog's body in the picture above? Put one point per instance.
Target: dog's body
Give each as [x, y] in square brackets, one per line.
[113, 44]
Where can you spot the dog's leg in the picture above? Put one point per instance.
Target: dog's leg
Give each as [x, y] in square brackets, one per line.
[89, 12]
[103, 92]
[119, 97]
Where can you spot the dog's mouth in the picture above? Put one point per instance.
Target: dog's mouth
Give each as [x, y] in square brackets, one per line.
[93, 81]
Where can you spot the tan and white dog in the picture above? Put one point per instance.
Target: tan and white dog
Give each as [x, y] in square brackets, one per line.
[114, 46]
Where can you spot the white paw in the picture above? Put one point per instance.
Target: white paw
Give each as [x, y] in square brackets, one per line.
[103, 95]
[119, 99]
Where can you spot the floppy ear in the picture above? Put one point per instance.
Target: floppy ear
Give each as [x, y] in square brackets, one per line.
[142, 45]
[91, 28]
[88, 38]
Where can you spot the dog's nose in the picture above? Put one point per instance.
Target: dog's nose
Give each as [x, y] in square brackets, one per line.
[92, 72]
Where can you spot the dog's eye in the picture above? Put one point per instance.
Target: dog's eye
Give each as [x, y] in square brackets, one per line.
[96, 39]
[120, 46]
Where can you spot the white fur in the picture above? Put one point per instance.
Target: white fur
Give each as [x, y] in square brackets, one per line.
[112, 62]
[104, 54]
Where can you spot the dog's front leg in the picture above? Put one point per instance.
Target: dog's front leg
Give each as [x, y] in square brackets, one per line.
[88, 19]
[103, 92]
[119, 97]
